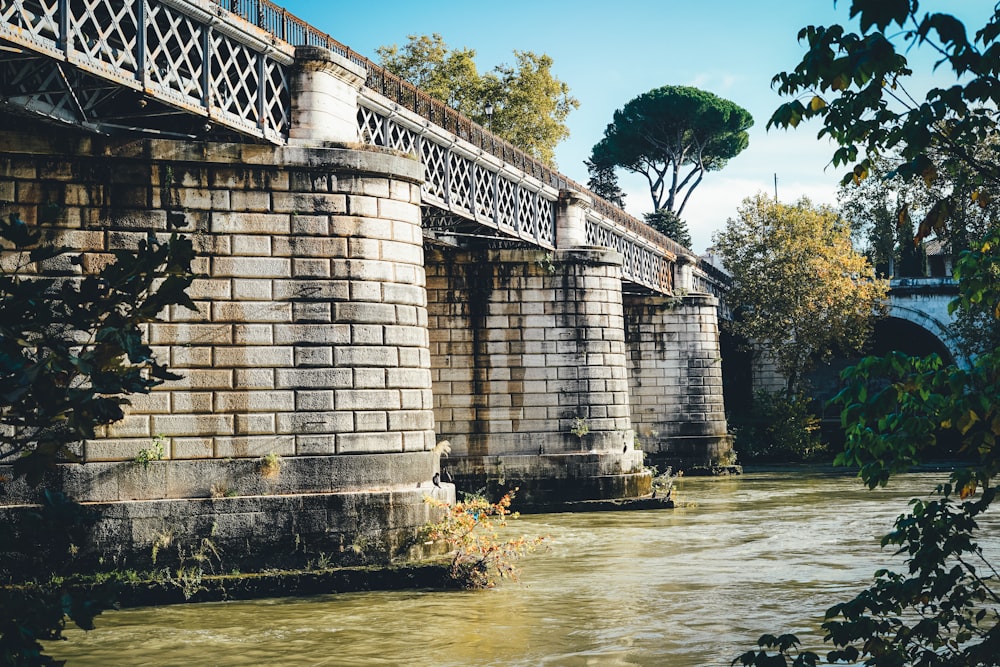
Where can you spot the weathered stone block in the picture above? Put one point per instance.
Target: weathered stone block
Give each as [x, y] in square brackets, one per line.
[194, 424]
[253, 378]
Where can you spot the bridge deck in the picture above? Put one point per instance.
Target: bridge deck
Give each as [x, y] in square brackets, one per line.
[200, 69]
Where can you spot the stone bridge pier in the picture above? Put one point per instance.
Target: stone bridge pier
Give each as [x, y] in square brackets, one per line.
[543, 371]
[309, 344]
[530, 381]
[675, 377]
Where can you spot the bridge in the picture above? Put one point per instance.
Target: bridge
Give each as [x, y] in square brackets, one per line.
[380, 275]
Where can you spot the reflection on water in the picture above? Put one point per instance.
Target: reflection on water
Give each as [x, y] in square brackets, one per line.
[765, 552]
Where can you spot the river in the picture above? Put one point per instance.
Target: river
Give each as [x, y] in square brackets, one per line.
[693, 586]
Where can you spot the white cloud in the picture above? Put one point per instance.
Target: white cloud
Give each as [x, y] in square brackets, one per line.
[719, 196]
[714, 82]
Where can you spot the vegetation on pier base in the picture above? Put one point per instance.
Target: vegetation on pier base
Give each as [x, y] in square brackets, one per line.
[480, 557]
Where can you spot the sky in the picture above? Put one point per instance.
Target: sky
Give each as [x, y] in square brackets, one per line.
[610, 52]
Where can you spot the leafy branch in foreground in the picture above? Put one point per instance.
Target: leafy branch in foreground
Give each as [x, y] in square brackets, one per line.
[480, 557]
[71, 350]
[943, 609]
[71, 347]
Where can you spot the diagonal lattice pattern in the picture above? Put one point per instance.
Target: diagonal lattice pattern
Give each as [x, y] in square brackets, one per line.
[435, 159]
[105, 35]
[460, 181]
[485, 193]
[35, 19]
[176, 54]
[234, 81]
[168, 58]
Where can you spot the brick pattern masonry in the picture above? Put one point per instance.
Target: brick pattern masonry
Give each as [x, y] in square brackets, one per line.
[310, 335]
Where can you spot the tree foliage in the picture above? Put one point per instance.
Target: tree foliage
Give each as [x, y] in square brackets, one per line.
[672, 135]
[777, 428]
[799, 288]
[856, 83]
[70, 346]
[943, 608]
[71, 350]
[872, 208]
[669, 223]
[529, 103]
[603, 182]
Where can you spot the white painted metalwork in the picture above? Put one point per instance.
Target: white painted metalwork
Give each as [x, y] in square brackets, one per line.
[169, 66]
[154, 65]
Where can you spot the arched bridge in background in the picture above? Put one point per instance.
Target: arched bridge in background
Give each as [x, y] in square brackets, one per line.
[918, 322]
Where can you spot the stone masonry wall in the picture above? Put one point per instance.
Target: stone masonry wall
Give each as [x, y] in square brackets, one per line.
[675, 373]
[528, 361]
[310, 337]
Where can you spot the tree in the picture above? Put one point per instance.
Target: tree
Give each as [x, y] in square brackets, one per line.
[665, 131]
[669, 223]
[447, 75]
[873, 206]
[603, 182]
[943, 609]
[529, 104]
[71, 348]
[799, 290]
[71, 351]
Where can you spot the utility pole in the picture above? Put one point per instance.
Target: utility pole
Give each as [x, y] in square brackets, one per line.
[776, 186]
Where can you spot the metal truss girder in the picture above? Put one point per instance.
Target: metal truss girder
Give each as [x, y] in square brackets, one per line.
[189, 55]
[499, 200]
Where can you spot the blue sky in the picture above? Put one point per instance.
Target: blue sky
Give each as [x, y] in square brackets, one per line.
[610, 52]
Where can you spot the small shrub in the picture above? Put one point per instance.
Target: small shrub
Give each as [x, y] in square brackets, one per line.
[269, 466]
[580, 427]
[155, 452]
[223, 490]
[779, 428]
[469, 527]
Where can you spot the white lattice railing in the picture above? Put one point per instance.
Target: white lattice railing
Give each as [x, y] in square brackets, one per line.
[226, 61]
[76, 60]
[473, 184]
[461, 180]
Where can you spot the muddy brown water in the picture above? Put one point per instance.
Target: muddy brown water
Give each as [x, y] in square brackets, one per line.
[693, 586]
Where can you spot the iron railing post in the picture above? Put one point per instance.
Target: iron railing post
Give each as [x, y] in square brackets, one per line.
[140, 42]
[65, 38]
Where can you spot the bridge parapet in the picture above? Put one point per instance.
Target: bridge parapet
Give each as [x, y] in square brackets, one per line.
[709, 279]
[184, 68]
[143, 63]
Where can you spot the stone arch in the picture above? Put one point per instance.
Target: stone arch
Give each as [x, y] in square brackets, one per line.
[931, 325]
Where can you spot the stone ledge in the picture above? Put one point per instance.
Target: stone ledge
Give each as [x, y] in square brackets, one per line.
[358, 158]
[433, 574]
[550, 481]
[195, 479]
[249, 533]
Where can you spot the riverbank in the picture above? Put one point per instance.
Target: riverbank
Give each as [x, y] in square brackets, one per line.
[131, 589]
